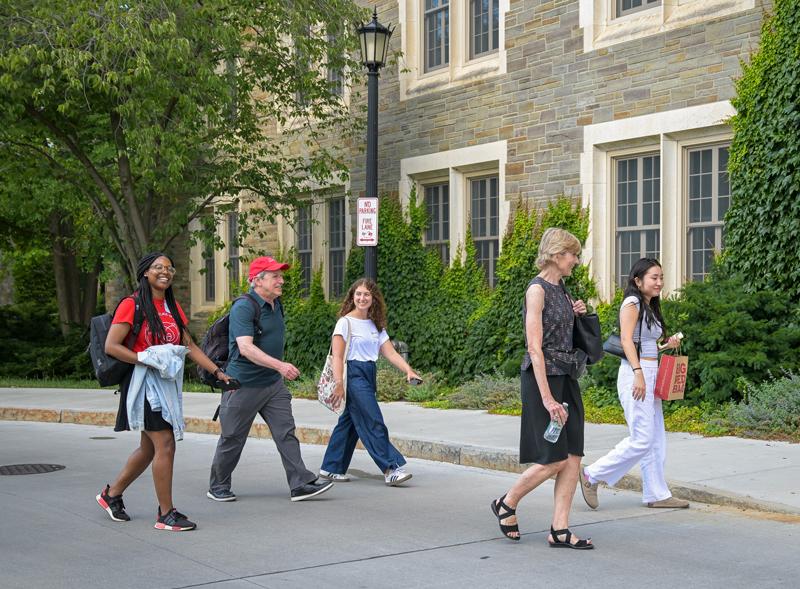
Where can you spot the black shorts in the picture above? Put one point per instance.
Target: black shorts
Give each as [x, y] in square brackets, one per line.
[535, 419]
[153, 421]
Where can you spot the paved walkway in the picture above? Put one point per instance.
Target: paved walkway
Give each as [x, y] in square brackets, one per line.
[750, 474]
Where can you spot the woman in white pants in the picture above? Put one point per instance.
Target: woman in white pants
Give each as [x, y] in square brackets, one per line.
[641, 327]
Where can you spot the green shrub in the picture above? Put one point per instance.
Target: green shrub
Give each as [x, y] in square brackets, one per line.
[309, 325]
[495, 336]
[768, 409]
[762, 226]
[732, 334]
[494, 393]
[33, 346]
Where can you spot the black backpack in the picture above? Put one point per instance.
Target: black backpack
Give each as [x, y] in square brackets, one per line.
[108, 370]
[215, 341]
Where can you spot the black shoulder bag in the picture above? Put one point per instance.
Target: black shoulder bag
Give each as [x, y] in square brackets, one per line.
[586, 334]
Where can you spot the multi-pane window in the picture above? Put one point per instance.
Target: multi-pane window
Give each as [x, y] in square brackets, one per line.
[335, 78]
[233, 252]
[628, 6]
[484, 19]
[638, 198]
[210, 275]
[485, 224]
[303, 245]
[709, 193]
[437, 33]
[437, 235]
[336, 246]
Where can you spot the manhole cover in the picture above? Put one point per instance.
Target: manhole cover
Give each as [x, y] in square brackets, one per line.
[30, 468]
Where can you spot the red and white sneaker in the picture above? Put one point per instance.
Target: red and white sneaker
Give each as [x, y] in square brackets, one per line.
[173, 521]
[113, 506]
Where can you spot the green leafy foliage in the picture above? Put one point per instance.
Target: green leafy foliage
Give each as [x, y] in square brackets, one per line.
[33, 346]
[762, 227]
[495, 335]
[309, 325]
[153, 110]
[732, 333]
[769, 408]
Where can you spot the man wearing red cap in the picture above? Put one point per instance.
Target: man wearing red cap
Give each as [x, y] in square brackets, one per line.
[256, 361]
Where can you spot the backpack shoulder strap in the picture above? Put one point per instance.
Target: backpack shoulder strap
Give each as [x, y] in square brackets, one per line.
[138, 316]
[256, 311]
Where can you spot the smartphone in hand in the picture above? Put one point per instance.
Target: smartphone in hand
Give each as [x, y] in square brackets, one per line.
[231, 385]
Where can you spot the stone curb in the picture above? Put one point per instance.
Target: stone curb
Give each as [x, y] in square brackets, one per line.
[463, 455]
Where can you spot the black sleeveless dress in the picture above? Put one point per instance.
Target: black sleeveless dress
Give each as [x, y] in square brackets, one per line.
[563, 365]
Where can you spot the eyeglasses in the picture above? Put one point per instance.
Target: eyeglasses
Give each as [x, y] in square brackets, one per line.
[162, 268]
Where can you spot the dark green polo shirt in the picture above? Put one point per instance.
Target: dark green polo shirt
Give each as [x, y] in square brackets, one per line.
[271, 340]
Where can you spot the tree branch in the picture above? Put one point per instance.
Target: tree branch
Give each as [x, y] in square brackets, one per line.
[126, 179]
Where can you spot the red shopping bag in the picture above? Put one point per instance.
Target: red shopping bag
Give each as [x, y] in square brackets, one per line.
[671, 380]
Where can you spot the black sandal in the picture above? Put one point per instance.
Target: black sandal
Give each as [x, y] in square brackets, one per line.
[579, 545]
[505, 529]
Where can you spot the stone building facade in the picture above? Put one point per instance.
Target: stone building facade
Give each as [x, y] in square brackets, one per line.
[622, 104]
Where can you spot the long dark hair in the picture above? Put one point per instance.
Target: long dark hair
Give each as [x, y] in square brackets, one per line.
[377, 310]
[652, 311]
[145, 296]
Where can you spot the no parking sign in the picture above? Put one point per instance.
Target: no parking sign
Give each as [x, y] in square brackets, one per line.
[367, 221]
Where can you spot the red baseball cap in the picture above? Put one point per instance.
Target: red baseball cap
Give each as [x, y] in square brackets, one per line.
[263, 263]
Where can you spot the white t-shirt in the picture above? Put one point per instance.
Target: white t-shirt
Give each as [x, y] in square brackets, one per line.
[366, 341]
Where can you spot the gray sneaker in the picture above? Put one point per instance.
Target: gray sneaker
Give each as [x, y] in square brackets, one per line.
[588, 490]
[223, 495]
[310, 490]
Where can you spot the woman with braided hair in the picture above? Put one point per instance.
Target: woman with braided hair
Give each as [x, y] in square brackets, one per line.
[160, 321]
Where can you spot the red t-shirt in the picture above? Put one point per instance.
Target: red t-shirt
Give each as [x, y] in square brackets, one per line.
[125, 312]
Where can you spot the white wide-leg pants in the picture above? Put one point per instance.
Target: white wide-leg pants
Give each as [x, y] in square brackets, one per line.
[646, 443]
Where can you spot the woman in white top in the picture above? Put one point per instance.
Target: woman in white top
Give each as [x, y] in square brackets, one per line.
[641, 327]
[362, 318]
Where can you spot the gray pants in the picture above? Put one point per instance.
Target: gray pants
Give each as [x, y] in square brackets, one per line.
[237, 411]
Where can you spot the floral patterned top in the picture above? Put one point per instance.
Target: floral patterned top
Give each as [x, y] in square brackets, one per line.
[560, 356]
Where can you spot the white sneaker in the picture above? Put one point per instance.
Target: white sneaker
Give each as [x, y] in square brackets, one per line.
[334, 476]
[397, 477]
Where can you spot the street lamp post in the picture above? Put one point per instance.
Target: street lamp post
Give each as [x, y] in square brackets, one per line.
[374, 44]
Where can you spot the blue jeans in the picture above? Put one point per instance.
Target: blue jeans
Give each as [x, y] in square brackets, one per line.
[362, 419]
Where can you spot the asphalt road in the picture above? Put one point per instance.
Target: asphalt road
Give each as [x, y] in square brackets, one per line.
[437, 531]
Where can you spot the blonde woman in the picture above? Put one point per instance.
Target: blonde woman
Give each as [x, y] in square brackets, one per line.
[550, 370]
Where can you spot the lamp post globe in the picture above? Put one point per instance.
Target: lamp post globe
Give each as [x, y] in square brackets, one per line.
[374, 39]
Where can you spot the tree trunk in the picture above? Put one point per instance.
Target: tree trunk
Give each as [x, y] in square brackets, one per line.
[76, 291]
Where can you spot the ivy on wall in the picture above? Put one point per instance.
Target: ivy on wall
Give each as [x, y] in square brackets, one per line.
[762, 227]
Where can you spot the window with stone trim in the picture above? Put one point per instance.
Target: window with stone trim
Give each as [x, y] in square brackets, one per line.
[303, 244]
[336, 246]
[625, 7]
[708, 196]
[334, 75]
[485, 223]
[210, 283]
[437, 34]
[484, 21]
[234, 274]
[437, 234]
[637, 185]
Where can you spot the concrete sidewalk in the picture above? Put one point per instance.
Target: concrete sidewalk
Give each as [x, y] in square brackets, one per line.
[749, 474]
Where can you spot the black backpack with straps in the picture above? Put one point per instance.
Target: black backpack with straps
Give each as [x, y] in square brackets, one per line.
[108, 370]
[215, 341]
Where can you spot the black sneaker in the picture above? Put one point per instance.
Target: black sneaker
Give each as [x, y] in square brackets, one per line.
[173, 521]
[113, 506]
[221, 495]
[310, 490]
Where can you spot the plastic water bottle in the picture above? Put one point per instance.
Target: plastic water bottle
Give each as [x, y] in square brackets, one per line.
[554, 429]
